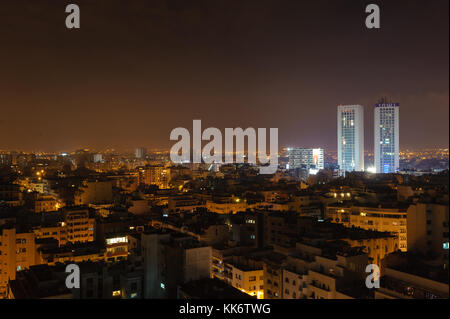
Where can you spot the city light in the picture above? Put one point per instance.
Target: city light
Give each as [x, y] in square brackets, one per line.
[372, 170]
[248, 152]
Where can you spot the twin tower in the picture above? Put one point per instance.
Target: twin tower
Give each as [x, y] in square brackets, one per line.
[350, 126]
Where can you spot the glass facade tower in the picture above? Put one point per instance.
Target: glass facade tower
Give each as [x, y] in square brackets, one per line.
[350, 125]
[386, 132]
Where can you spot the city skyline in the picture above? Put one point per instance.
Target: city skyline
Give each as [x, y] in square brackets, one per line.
[217, 158]
[131, 76]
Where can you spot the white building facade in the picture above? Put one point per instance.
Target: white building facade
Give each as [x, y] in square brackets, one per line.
[386, 132]
[350, 127]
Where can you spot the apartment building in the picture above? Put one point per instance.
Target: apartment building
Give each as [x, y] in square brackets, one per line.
[94, 192]
[97, 280]
[45, 203]
[79, 225]
[428, 230]
[412, 276]
[184, 204]
[246, 274]
[229, 205]
[171, 259]
[393, 220]
[156, 175]
[52, 231]
[17, 252]
[315, 271]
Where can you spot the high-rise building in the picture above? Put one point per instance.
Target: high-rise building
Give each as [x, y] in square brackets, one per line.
[309, 158]
[141, 152]
[350, 127]
[386, 132]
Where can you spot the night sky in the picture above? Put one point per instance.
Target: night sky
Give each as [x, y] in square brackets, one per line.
[137, 69]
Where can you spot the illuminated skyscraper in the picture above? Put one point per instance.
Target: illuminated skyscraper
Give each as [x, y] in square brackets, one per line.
[386, 132]
[350, 126]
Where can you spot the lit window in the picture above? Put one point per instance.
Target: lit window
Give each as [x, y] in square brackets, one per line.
[116, 293]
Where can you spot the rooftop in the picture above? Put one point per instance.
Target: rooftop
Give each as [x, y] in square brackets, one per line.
[212, 289]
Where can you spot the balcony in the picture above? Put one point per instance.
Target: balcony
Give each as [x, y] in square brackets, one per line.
[320, 286]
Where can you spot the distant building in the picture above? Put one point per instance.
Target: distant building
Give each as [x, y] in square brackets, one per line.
[79, 226]
[350, 131]
[98, 158]
[156, 175]
[94, 192]
[226, 205]
[141, 152]
[45, 203]
[309, 158]
[5, 159]
[386, 132]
